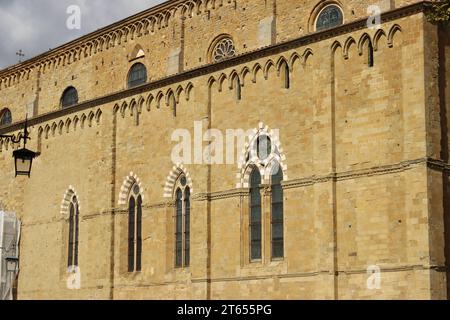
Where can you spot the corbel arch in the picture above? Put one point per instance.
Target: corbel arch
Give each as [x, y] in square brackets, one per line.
[395, 28]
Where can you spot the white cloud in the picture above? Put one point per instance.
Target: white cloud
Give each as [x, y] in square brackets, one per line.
[36, 26]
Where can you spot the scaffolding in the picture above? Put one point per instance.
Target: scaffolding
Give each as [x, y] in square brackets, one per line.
[9, 248]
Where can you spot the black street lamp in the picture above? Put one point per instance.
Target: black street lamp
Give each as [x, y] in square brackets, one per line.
[23, 158]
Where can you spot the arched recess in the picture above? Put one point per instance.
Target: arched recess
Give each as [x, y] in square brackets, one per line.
[395, 28]
[5, 117]
[172, 179]
[138, 52]
[129, 181]
[250, 158]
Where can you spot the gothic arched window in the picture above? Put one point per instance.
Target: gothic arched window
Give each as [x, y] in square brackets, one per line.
[331, 16]
[69, 97]
[223, 49]
[182, 223]
[135, 230]
[277, 216]
[137, 75]
[5, 117]
[74, 220]
[255, 216]
[264, 174]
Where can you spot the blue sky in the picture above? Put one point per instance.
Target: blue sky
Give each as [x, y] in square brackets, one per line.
[35, 26]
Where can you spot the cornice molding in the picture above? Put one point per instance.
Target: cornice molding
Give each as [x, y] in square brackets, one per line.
[157, 10]
[215, 67]
[233, 193]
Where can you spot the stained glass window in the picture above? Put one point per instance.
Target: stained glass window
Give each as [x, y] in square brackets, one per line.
[137, 75]
[224, 49]
[187, 226]
[179, 229]
[69, 97]
[131, 233]
[330, 17]
[135, 230]
[255, 216]
[277, 215]
[139, 234]
[73, 233]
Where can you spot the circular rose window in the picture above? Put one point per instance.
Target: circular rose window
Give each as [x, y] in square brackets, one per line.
[224, 49]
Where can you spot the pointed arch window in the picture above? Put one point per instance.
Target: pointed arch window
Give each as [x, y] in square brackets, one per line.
[69, 97]
[74, 220]
[137, 75]
[331, 16]
[264, 173]
[255, 216]
[277, 216]
[135, 230]
[5, 117]
[182, 223]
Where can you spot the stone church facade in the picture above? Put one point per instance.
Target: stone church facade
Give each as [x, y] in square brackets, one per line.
[349, 201]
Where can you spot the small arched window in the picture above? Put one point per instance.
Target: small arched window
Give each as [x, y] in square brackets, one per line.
[223, 49]
[74, 220]
[331, 16]
[135, 230]
[5, 117]
[69, 97]
[182, 224]
[137, 75]
[255, 216]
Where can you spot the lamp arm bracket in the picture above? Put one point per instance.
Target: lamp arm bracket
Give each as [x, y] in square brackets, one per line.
[14, 139]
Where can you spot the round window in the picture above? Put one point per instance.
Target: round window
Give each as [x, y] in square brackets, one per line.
[224, 49]
[183, 181]
[330, 17]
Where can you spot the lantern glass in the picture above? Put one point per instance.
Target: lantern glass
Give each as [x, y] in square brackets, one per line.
[12, 264]
[23, 160]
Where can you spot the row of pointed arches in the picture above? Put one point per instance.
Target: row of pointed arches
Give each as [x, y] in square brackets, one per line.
[170, 98]
[366, 45]
[284, 67]
[148, 22]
